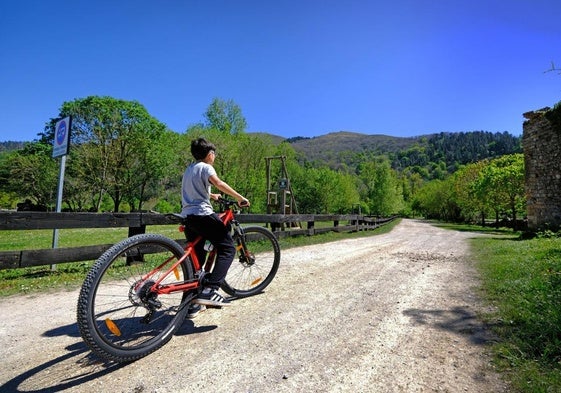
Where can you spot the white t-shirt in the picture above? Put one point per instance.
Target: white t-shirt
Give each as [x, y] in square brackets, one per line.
[195, 189]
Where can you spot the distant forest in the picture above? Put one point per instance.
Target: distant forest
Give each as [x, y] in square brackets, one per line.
[11, 145]
[456, 149]
[432, 156]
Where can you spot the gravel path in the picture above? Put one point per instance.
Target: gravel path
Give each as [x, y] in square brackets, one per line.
[388, 313]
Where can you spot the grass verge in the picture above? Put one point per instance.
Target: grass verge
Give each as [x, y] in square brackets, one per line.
[521, 280]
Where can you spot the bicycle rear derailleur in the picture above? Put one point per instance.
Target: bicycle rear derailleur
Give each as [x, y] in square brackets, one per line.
[140, 295]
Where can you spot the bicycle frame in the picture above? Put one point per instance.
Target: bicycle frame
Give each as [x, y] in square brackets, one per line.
[227, 217]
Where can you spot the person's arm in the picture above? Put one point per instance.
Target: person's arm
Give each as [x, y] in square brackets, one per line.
[226, 189]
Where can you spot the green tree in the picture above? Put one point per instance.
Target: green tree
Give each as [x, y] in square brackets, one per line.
[411, 183]
[501, 183]
[323, 190]
[437, 200]
[117, 148]
[472, 205]
[346, 195]
[31, 173]
[225, 116]
[8, 198]
[384, 193]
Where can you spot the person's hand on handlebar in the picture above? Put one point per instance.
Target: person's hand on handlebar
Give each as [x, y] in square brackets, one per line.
[243, 202]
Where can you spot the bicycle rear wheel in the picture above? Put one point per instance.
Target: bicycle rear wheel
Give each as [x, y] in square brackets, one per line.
[118, 315]
[256, 262]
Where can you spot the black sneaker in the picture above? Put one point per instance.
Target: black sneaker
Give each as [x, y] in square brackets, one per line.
[194, 310]
[209, 297]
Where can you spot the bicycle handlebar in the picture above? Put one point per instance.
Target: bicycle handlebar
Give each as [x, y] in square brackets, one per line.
[226, 203]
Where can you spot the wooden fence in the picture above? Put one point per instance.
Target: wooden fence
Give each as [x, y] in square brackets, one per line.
[282, 225]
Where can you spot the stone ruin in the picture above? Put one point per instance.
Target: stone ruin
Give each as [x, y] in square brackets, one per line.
[541, 142]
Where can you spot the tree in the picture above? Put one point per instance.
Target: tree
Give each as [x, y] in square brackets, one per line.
[225, 116]
[411, 182]
[471, 204]
[31, 173]
[436, 200]
[501, 183]
[116, 148]
[383, 191]
[554, 69]
[323, 190]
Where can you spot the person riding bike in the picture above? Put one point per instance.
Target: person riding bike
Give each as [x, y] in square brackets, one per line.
[201, 220]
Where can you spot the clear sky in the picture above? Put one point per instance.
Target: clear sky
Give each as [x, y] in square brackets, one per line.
[295, 67]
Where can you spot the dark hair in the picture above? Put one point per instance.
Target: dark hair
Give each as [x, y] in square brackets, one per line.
[200, 148]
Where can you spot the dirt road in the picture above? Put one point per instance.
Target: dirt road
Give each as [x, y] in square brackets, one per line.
[387, 313]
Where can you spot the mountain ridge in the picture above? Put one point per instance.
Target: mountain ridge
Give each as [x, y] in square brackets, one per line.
[345, 149]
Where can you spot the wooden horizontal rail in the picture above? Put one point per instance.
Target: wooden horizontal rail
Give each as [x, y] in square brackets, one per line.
[282, 226]
[52, 220]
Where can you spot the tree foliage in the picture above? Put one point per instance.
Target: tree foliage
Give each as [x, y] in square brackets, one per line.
[382, 192]
[117, 149]
[436, 200]
[501, 185]
[225, 116]
[432, 156]
[31, 173]
[121, 158]
[324, 190]
[489, 187]
[474, 206]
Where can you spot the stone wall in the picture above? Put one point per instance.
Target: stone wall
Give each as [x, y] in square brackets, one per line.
[541, 141]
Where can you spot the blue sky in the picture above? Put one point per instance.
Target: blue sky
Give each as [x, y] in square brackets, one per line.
[296, 68]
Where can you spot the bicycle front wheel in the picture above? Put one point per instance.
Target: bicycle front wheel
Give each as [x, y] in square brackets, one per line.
[119, 316]
[256, 263]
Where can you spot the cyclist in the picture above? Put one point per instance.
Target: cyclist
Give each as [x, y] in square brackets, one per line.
[202, 220]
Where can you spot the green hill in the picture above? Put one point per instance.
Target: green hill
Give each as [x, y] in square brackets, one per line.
[344, 149]
[351, 141]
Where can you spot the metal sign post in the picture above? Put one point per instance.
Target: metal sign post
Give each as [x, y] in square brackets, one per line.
[61, 145]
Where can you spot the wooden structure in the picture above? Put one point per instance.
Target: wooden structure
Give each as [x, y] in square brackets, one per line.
[137, 222]
[280, 199]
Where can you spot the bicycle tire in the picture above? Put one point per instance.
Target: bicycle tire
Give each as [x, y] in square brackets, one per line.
[250, 275]
[118, 317]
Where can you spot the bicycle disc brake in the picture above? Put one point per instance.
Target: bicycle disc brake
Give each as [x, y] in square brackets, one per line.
[247, 259]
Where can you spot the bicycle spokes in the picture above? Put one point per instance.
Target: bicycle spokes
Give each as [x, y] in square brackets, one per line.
[256, 264]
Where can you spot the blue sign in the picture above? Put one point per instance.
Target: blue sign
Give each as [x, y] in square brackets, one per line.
[61, 141]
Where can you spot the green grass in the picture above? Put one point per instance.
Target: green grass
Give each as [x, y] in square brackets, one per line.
[522, 280]
[39, 239]
[67, 276]
[70, 276]
[476, 228]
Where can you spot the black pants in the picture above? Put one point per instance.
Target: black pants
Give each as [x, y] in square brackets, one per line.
[213, 229]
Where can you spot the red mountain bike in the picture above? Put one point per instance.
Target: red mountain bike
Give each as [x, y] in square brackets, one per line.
[136, 295]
